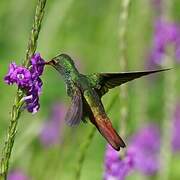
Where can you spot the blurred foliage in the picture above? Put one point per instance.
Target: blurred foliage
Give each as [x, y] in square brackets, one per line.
[88, 31]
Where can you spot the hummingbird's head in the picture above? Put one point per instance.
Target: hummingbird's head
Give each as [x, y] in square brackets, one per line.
[63, 63]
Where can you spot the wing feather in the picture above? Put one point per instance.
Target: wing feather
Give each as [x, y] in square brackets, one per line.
[106, 81]
[74, 113]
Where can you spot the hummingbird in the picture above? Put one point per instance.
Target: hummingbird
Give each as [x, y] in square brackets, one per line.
[86, 92]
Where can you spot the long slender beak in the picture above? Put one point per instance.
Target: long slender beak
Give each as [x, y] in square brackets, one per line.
[51, 62]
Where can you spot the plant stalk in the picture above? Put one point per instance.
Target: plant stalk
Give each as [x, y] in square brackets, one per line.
[123, 95]
[16, 109]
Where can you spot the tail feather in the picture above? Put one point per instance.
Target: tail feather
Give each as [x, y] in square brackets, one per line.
[104, 126]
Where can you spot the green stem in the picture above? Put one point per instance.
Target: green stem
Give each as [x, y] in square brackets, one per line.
[123, 96]
[16, 109]
[169, 97]
[169, 103]
[83, 151]
[124, 14]
[32, 44]
[85, 146]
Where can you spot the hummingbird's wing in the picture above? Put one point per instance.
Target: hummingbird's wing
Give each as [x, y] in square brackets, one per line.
[74, 113]
[104, 81]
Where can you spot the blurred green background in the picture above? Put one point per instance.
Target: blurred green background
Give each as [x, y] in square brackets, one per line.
[87, 31]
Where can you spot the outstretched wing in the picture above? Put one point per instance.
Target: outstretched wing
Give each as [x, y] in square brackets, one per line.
[74, 113]
[105, 81]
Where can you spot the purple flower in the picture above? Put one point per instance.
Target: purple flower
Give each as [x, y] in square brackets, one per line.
[33, 93]
[176, 129]
[8, 78]
[142, 154]
[17, 175]
[37, 64]
[28, 80]
[165, 34]
[116, 167]
[32, 102]
[145, 147]
[52, 129]
[19, 75]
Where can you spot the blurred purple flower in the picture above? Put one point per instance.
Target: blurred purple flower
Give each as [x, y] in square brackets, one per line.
[116, 167]
[28, 80]
[145, 146]
[165, 34]
[17, 175]
[176, 129]
[142, 155]
[52, 130]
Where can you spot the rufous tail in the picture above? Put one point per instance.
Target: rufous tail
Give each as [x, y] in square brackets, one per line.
[104, 126]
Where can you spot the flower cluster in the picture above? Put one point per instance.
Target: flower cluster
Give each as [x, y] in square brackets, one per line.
[115, 166]
[28, 80]
[142, 155]
[52, 130]
[145, 146]
[166, 34]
